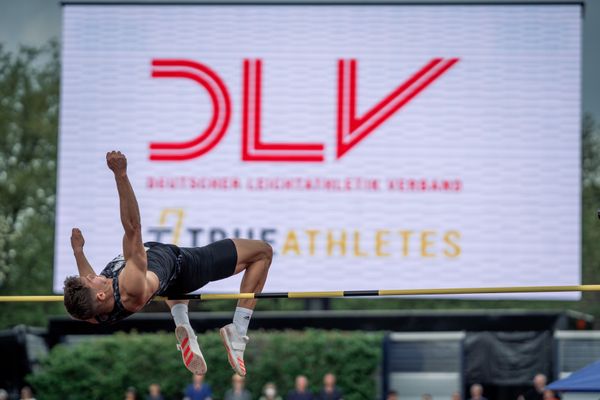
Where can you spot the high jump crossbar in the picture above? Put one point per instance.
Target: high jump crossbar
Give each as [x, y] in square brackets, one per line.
[341, 293]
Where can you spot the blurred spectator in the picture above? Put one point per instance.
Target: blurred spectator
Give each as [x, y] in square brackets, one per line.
[537, 392]
[198, 390]
[477, 392]
[154, 392]
[300, 391]
[3, 394]
[26, 393]
[549, 395]
[455, 396]
[426, 396]
[131, 393]
[329, 391]
[237, 391]
[391, 395]
[270, 392]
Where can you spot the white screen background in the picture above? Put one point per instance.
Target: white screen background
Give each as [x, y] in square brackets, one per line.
[505, 121]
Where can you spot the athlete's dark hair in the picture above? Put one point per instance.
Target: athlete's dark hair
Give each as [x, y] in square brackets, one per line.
[79, 299]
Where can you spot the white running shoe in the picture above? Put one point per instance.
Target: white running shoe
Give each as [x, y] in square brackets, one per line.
[190, 351]
[235, 344]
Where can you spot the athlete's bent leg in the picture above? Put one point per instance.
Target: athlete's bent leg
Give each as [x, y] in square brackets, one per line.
[254, 258]
[186, 338]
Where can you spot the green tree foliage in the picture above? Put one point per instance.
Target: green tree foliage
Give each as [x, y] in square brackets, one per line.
[29, 82]
[590, 223]
[103, 368]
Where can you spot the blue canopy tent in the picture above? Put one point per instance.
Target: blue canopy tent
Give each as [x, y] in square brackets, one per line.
[586, 379]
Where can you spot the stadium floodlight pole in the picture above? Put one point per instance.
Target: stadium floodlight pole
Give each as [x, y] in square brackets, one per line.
[344, 293]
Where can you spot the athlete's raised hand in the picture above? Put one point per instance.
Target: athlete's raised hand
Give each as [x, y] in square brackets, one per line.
[77, 240]
[117, 162]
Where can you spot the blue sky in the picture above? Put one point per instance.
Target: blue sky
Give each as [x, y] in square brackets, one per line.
[33, 22]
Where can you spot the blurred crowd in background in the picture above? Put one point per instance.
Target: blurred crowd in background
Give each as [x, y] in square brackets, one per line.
[201, 390]
[198, 389]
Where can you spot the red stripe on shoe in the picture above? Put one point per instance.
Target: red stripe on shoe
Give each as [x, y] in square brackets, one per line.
[184, 342]
[189, 359]
[186, 351]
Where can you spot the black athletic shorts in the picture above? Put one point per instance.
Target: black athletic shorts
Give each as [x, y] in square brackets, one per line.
[201, 265]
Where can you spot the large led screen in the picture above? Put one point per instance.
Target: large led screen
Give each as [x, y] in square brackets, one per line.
[374, 146]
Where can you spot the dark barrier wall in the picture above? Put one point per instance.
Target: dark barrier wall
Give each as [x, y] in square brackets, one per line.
[507, 358]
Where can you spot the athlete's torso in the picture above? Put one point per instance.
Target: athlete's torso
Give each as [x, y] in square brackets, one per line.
[163, 260]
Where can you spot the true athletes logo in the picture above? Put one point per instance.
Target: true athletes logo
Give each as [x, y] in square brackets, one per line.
[351, 128]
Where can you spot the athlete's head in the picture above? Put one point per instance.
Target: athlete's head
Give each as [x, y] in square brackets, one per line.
[84, 296]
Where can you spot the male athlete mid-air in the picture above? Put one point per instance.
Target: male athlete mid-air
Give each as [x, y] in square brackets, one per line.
[150, 269]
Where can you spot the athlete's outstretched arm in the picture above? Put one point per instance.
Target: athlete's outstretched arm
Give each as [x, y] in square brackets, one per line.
[133, 247]
[77, 242]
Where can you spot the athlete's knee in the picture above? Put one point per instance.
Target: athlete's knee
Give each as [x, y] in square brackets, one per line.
[250, 251]
[267, 252]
